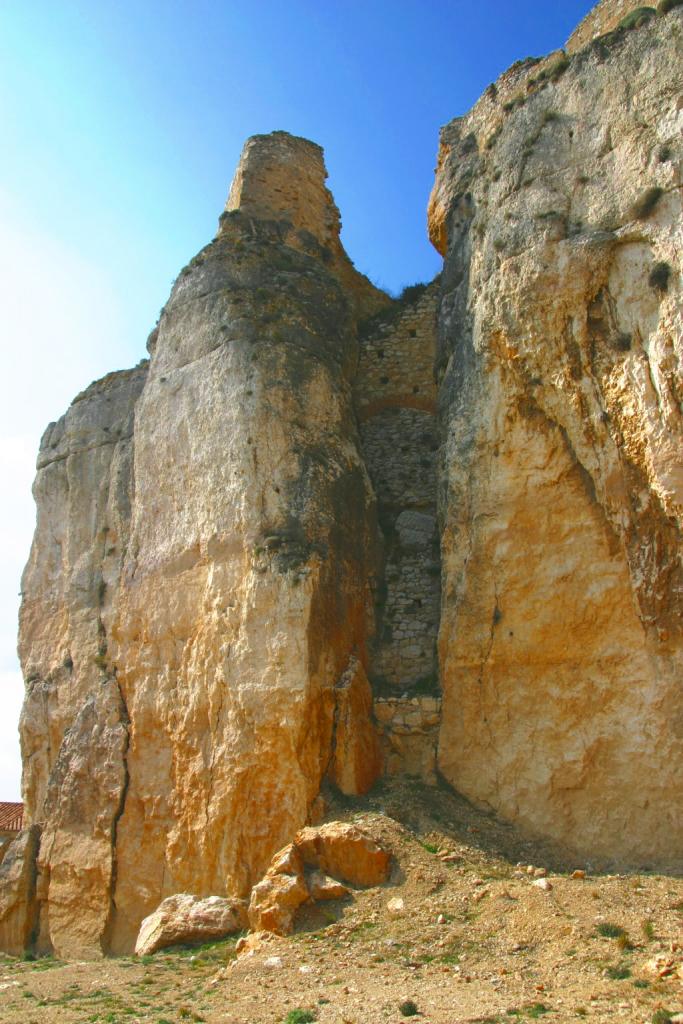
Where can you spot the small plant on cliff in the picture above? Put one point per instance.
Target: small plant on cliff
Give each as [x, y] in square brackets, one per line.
[659, 277]
[411, 293]
[637, 18]
[645, 205]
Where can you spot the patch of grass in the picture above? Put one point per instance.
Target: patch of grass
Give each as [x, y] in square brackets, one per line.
[408, 1008]
[661, 1016]
[645, 205]
[624, 942]
[619, 973]
[300, 1017]
[641, 983]
[664, 6]
[659, 276]
[536, 1010]
[557, 69]
[429, 847]
[648, 929]
[610, 931]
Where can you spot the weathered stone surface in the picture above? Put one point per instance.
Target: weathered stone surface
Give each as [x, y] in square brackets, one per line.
[18, 906]
[229, 538]
[322, 887]
[274, 902]
[356, 759]
[194, 594]
[562, 491]
[344, 851]
[184, 919]
[310, 868]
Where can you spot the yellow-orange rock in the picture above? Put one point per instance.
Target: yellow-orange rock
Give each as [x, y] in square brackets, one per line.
[200, 576]
[274, 902]
[344, 851]
[322, 887]
[184, 919]
[357, 758]
[558, 205]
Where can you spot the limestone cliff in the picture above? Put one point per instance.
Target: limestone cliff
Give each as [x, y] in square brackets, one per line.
[246, 548]
[198, 587]
[557, 206]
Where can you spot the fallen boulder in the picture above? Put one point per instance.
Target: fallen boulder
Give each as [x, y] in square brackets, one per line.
[310, 868]
[184, 919]
[344, 851]
[277, 897]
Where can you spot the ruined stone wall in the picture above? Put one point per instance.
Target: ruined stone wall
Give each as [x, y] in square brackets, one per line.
[409, 734]
[395, 397]
[604, 17]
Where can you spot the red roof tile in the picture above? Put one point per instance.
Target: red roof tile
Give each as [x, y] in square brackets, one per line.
[11, 817]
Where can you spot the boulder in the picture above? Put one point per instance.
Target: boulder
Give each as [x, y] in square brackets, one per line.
[184, 919]
[344, 851]
[274, 902]
[322, 887]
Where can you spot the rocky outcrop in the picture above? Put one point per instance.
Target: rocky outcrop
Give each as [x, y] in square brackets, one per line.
[557, 205]
[198, 588]
[313, 867]
[245, 548]
[18, 904]
[185, 920]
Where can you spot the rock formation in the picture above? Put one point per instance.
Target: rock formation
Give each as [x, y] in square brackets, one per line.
[246, 547]
[557, 205]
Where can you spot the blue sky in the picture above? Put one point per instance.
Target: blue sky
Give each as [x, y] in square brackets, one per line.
[122, 124]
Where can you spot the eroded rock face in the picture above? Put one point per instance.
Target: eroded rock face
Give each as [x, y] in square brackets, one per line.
[18, 904]
[344, 851]
[184, 919]
[311, 867]
[558, 207]
[197, 589]
[237, 542]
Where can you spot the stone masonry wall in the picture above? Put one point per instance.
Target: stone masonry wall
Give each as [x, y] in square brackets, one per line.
[409, 732]
[395, 399]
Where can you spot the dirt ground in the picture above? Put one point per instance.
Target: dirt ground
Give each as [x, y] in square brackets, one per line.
[478, 939]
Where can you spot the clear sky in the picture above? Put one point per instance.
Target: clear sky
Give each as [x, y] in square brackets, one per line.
[122, 122]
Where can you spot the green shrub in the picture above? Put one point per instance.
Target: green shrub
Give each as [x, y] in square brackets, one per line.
[619, 973]
[408, 1008]
[300, 1017]
[412, 292]
[557, 69]
[637, 18]
[645, 205]
[661, 1017]
[610, 931]
[664, 6]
